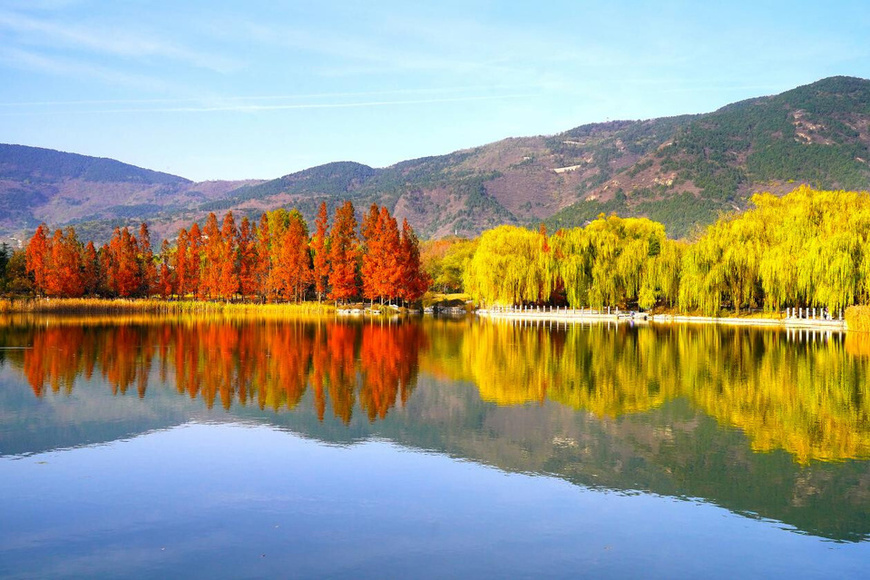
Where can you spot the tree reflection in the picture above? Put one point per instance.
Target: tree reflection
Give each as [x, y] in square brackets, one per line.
[805, 393]
[269, 364]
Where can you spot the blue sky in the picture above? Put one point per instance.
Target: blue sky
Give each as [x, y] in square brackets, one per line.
[258, 89]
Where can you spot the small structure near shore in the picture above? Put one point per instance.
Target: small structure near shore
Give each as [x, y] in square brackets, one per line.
[566, 314]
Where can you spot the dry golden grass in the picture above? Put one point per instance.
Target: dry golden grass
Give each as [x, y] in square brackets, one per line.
[161, 307]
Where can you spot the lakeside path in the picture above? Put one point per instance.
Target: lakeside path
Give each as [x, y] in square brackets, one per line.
[566, 315]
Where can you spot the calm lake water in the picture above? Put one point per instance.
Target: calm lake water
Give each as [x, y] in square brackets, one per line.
[137, 447]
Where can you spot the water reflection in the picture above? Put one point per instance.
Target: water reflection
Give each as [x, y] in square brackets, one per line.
[267, 364]
[678, 411]
[803, 393]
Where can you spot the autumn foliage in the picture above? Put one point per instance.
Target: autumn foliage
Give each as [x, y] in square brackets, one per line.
[351, 368]
[273, 260]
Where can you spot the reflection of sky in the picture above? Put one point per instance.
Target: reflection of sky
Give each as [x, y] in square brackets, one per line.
[232, 500]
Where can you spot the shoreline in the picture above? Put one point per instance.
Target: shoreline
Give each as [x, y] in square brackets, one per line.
[158, 307]
[580, 316]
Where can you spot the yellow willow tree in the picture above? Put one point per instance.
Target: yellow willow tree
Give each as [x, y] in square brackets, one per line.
[612, 261]
[507, 268]
[723, 265]
[663, 277]
[833, 257]
[744, 241]
[701, 284]
[618, 261]
[573, 255]
[805, 249]
[605, 243]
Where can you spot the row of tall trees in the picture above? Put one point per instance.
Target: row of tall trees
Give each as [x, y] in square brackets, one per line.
[61, 266]
[275, 259]
[806, 249]
[611, 261]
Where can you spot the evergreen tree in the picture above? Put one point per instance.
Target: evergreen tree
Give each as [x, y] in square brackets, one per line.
[166, 283]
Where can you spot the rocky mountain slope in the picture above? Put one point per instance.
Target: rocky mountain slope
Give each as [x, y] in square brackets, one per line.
[94, 194]
[682, 171]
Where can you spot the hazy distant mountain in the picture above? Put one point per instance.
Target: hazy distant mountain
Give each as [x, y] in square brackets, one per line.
[682, 171]
[95, 194]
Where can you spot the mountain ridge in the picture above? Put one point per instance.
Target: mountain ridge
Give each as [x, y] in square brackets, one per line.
[683, 170]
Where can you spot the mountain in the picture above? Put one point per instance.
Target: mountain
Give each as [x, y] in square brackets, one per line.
[683, 171]
[817, 134]
[95, 194]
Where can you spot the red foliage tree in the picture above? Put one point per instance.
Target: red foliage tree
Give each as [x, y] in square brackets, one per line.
[390, 269]
[343, 254]
[278, 221]
[35, 258]
[194, 261]
[414, 280]
[294, 264]
[123, 272]
[146, 261]
[228, 264]
[371, 253]
[90, 269]
[381, 257]
[248, 258]
[320, 249]
[64, 266]
[212, 253]
[264, 264]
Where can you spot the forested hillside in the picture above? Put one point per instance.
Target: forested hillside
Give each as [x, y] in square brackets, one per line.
[96, 194]
[817, 134]
[681, 171]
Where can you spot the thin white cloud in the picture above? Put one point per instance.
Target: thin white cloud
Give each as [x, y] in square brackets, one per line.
[248, 108]
[348, 48]
[254, 98]
[41, 4]
[109, 40]
[31, 61]
[446, 48]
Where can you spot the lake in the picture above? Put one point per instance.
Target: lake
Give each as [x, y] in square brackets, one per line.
[204, 447]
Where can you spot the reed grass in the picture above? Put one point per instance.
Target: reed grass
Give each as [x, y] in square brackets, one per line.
[156, 306]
